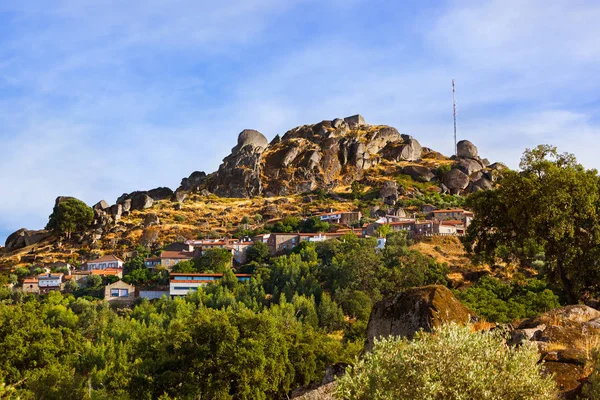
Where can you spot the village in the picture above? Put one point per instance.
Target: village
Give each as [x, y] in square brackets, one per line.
[60, 275]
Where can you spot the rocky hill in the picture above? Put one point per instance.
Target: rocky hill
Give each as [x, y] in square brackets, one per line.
[335, 153]
[276, 179]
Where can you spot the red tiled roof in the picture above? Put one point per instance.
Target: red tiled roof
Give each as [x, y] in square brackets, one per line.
[176, 255]
[396, 223]
[451, 222]
[447, 211]
[107, 271]
[30, 280]
[106, 258]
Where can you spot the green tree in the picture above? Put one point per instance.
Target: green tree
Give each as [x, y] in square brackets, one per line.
[258, 252]
[70, 216]
[552, 205]
[383, 230]
[331, 316]
[357, 189]
[214, 260]
[314, 224]
[454, 363]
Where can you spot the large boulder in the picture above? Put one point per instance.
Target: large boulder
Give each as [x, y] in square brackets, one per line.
[24, 237]
[194, 182]
[102, 205]
[160, 193]
[466, 149]
[455, 180]
[116, 211]
[250, 137]
[179, 196]
[414, 309]
[355, 121]
[389, 192]
[407, 150]
[469, 166]
[151, 219]
[141, 201]
[564, 337]
[240, 173]
[418, 173]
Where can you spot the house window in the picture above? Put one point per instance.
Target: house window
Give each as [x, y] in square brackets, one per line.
[114, 292]
[123, 292]
[102, 266]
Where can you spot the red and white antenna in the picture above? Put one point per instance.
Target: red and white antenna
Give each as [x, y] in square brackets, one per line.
[454, 106]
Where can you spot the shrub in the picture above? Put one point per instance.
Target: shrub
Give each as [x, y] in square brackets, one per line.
[505, 302]
[453, 363]
[179, 218]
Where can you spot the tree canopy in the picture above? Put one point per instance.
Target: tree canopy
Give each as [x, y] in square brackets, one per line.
[69, 216]
[551, 207]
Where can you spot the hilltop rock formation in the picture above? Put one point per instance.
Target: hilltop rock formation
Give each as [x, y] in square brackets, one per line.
[325, 155]
[24, 237]
[239, 175]
[418, 308]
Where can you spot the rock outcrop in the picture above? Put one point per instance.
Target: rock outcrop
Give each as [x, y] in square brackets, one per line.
[455, 180]
[419, 308]
[323, 155]
[240, 173]
[24, 237]
[141, 201]
[565, 337]
[466, 149]
[419, 173]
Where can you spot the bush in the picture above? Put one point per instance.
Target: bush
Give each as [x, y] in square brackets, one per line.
[453, 363]
[179, 218]
[505, 302]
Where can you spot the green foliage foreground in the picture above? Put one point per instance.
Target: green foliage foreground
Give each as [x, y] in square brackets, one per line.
[454, 363]
[66, 348]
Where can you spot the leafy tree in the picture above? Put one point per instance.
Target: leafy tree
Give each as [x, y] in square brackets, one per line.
[314, 224]
[137, 276]
[22, 272]
[70, 216]
[94, 281]
[552, 205]
[214, 260]
[71, 286]
[357, 189]
[383, 230]
[184, 267]
[258, 252]
[505, 302]
[331, 316]
[454, 363]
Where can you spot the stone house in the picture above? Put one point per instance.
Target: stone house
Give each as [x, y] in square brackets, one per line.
[168, 259]
[119, 293]
[30, 285]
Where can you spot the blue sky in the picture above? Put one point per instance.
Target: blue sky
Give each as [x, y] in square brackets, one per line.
[98, 98]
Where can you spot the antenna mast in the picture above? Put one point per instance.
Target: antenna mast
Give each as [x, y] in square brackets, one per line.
[454, 107]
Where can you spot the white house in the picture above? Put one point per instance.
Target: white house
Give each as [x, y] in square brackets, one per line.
[109, 261]
[47, 282]
[181, 283]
